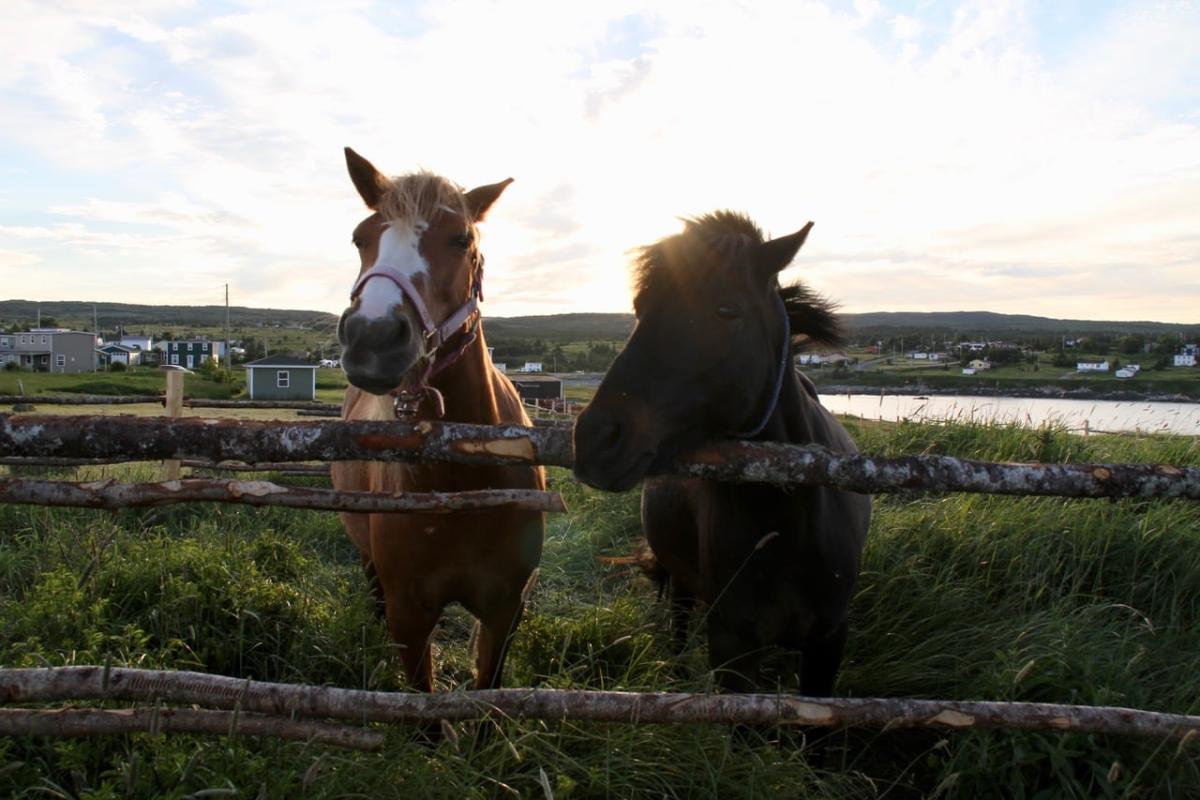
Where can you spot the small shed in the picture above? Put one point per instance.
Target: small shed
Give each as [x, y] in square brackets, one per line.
[281, 377]
[119, 354]
[533, 388]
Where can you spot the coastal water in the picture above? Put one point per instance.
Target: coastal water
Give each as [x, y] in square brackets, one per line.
[1096, 415]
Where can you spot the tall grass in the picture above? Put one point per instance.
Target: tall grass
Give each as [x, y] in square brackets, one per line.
[965, 597]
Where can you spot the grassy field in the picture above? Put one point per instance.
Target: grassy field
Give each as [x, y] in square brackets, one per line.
[965, 597]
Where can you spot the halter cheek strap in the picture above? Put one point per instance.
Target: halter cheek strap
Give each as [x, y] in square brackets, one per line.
[778, 388]
[408, 400]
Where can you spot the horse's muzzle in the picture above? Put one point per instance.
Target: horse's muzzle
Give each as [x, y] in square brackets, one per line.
[378, 351]
[609, 452]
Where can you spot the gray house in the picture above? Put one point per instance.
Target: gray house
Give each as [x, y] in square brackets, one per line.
[49, 350]
[281, 378]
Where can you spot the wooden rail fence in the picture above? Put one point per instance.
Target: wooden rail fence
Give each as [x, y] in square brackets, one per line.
[252, 441]
[255, 708]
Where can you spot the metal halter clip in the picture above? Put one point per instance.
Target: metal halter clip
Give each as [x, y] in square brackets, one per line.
[406, 404]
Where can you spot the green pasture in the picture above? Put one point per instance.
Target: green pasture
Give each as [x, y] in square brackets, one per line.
[961, 596]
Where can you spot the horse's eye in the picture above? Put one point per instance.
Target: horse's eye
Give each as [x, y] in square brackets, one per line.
[357, 242]
[725, 311]
[462, 241]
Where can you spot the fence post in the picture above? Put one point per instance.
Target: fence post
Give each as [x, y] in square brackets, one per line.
[174, 408]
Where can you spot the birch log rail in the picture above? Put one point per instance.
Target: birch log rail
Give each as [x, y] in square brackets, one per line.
[109, 494]
[78, 722]
[146, 438]
[57, 684]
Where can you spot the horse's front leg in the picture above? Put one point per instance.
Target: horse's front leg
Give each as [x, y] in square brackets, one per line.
[734, 654]
[821, 660]
[498, 621]
[411, 626]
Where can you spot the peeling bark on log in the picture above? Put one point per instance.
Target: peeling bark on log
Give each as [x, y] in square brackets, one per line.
[145, 438]
[768, 462]
[109, 494]
[79, 722]
[252, 441]
[281, 699]
[287, 467]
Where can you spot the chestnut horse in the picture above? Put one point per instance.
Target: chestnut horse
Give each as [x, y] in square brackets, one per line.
[414, 350]
[710, 358]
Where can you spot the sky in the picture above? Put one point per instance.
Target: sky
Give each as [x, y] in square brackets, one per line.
[1035, 158]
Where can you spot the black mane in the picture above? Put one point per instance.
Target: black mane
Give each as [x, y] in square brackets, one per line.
[813, 317]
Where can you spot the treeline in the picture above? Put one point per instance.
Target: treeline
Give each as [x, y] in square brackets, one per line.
[592, 356]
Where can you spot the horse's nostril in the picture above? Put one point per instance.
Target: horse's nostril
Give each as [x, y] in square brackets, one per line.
[610, 435]
[403, 330]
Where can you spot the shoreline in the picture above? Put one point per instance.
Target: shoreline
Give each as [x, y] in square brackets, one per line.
[1038, 392]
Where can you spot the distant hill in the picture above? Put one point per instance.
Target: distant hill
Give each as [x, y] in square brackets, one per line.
[991, 322]
[561, 327]
[69, 313]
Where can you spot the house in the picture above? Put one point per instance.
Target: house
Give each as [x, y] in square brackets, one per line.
[110, 354]
[1091, 366]
[979, 364]
[142, 343]
[532, 366]
[281, 377]
[809, 358]
[1127, 371]
[538, 388]
[49, 350]
[1184, 360]
[191, 353]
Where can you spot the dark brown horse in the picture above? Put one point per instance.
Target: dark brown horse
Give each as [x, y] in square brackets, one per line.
[711, 358]
[414, 349]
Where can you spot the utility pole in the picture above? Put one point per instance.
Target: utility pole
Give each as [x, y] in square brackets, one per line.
[228, 345]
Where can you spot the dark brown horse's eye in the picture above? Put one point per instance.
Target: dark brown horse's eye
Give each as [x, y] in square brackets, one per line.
[462, 241]
[728, 312]
[357, 242]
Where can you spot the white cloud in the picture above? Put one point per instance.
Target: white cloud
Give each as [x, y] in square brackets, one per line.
[969, 170]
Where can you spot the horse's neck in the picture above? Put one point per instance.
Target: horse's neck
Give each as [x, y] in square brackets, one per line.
[466, 386]
[792, 420]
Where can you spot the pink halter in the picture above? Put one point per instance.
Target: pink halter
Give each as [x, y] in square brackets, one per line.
[408, 400]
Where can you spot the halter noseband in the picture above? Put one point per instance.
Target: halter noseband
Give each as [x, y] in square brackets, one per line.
[783, 364]
[407, 400]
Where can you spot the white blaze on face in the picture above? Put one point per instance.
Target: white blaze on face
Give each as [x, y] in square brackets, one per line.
[399, 248]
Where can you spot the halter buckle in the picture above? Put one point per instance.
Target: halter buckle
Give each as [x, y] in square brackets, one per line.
[406, 403]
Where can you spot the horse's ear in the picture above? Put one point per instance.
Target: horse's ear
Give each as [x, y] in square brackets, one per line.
[480, 199]
[771, 257]
[372, 184]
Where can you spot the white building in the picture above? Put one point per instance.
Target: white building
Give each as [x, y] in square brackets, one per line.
[1185, 360]
[532, 366]
[142, 343]
[968, 371]
[809, 358]
[1091, 366]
